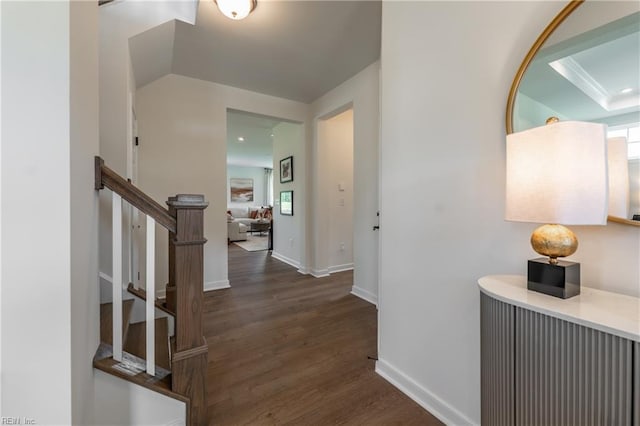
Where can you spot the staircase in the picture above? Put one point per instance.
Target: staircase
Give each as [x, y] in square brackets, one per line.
[167, 352]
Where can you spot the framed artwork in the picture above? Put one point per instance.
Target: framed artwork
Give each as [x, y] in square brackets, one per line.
[241, 190]
[286, 203]
[286, 170]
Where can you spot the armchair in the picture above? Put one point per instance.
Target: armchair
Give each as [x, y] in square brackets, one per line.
[236, 231]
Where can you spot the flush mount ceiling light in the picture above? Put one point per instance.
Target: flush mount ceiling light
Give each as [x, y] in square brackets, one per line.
[236, 9]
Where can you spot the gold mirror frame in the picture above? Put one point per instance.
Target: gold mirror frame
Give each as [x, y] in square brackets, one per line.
[564, 13]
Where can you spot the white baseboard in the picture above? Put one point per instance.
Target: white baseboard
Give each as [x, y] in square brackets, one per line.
[425, 398]
[319, 273]
[325, 272]
[285, 259]
[216, 285]
[341, 268]
[303, 270]
[365, 295]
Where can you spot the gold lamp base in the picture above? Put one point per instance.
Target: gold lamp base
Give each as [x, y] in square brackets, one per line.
[554, 241]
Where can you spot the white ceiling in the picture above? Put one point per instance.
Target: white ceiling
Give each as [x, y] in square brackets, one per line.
[583, 77]
[152, 53]
[256, 150]
[297, 50]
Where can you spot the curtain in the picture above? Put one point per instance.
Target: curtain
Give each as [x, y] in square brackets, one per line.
[268, 187]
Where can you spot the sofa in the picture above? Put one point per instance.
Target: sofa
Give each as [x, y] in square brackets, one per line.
[245, 215]
[239, 220]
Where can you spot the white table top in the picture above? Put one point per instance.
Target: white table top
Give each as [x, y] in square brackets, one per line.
[612, 313]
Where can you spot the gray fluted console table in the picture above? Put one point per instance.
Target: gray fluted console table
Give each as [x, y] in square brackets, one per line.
[549, 361]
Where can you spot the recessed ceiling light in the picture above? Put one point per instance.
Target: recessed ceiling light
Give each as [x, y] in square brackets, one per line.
[240, 139]
[272, 135]
[626, 90]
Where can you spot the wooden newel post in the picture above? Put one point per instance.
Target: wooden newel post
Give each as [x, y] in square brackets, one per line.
[186, 280]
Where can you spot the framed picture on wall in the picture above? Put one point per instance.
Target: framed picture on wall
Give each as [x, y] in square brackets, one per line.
[286, 170]
[241, 190]
[286, 203]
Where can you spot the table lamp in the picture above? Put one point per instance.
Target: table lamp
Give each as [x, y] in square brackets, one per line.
[557, 175]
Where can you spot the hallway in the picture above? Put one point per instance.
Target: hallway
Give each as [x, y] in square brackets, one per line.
[286, 348]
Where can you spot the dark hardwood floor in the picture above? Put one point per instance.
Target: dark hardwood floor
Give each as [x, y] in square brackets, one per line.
[287, 348]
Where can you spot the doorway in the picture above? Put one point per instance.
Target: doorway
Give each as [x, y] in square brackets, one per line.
[335, 193]
[257, 145]
[347, 137]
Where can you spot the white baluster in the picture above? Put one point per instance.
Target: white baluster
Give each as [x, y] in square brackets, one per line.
[117, 276]
[151, 294]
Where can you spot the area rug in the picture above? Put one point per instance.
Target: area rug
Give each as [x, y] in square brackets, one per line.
[254, 242]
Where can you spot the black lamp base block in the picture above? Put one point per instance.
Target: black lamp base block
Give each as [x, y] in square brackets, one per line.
[560, 280]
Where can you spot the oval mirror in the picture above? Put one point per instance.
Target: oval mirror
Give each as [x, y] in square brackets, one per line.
[586, 66]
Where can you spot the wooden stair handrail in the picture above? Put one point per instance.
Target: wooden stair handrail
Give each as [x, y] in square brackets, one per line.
[104, 176]
[184, 219]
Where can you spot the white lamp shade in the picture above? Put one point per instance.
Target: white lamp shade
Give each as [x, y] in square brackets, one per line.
[557, 173]
[235, 9]
[618, 177]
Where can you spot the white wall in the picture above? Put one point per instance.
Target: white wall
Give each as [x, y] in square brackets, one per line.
[119, 21]
[360, 92]
[182, 128]
[1, 212]
[442, 162]
[85, 312]
[123, 403]
[336, 136]
[49, 137]
[35, 168]
[591, 15]
[255, 173]
[529, 113]
[289, 240]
